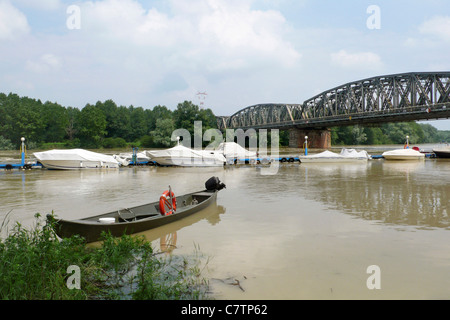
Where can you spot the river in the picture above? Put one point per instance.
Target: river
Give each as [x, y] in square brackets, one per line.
[307, 232]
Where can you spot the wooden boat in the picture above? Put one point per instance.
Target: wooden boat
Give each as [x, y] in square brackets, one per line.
[140, 218]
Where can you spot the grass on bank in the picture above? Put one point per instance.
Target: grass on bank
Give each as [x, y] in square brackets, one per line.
[34, 265]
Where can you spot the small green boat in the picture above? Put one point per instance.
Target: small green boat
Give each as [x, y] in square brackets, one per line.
[140, 218]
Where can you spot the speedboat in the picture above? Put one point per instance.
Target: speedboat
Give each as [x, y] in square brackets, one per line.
[346, 155]
[122, 160]
[233, 151]
[186, 157]
[442, 152]
[127, 158]
[71, 159]
[403, 154]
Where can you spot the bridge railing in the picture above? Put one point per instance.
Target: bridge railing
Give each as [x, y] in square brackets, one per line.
[399, 97]
[435, 111]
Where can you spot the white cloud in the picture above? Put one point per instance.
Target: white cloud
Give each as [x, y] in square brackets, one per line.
[46, 5]
[364, 60]
[226, 32]
[241, 31]
[13, 23]
[438, 26]
[45, 63]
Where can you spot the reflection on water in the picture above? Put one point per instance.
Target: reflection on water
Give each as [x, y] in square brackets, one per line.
[402, 192]
[308, 232]
[168, 234]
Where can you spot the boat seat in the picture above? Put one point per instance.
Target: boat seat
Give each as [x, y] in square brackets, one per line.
[203, 194]
[130, 218]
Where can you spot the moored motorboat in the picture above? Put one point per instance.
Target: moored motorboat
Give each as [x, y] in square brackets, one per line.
[233, 151]
[346, 155]
[186, 157]
[139, 218]
[125, 158]
[403, 154]
[72, 159]
[442, 152]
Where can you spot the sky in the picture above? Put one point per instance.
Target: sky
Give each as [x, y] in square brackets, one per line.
[220, 54]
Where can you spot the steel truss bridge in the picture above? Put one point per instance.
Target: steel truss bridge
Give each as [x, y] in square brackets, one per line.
[390, 98]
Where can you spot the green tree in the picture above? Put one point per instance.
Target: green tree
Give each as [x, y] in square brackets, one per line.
[138, 123]
[92, 126]
[397, 132]
[55, 120]
[444, 136]
[185, 115]
[21, 117]
[188, 113]
[5, 144]
[431, 134]
[342, 135]
[359, 136]
[109, 109]
[147, 141]
[163, 133]
[72, 115]
[374, 136]
[158, 112]
[121, 124]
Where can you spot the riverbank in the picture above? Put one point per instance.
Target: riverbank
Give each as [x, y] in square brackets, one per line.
[38, 266]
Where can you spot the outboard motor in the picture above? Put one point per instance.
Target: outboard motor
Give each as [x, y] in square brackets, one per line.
[214, 183]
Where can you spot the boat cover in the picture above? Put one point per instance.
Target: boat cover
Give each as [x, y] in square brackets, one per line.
[181, 151]
[352, 153]
[345, 154]
[404, 152]
[73, 154]
[234, 150]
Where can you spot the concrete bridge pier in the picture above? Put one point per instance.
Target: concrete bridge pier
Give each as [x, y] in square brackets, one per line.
[317, 138]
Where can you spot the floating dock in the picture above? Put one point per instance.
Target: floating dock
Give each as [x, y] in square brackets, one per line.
[22, 165]
[11, 166]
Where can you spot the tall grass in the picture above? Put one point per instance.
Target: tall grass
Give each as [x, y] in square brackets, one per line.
[34, 266]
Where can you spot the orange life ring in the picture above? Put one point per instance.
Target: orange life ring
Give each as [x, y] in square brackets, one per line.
[165, 207]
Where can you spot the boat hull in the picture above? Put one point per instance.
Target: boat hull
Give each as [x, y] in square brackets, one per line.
[187, 162]
[400, 157]
[77, 164]
[442, 152]
[132, 220]
[305, 159]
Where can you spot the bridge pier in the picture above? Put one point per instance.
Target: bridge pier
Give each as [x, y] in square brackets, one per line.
[317, 138]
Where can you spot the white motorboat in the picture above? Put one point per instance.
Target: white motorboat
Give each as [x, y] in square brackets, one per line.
[403, 154]
[442, 152]
[186, 157]
[346, 155]
[122, 160]
[127, 158]
[75, 159]
[233, 151]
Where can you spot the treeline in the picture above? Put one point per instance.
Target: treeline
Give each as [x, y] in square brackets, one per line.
[388, 133]
[107, 125]
[102, 125]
